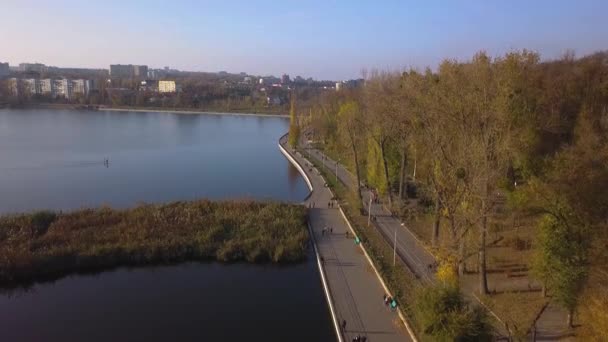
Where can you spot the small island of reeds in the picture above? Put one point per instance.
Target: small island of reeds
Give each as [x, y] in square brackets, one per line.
[48, 244]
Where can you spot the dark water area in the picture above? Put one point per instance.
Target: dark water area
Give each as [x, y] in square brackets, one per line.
[187, 302]
[55, 159]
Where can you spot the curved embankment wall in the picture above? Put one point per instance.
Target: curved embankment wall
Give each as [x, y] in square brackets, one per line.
[330, 302]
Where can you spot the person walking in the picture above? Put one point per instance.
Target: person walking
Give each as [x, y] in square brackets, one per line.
[344, 325]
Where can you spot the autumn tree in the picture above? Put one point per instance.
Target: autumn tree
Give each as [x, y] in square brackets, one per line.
[294, 126]
[381, 104]
[350, 130]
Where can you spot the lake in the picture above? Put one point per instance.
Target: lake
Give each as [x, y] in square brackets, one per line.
[54, 159]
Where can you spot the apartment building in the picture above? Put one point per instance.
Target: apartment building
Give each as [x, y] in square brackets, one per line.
[166, 87]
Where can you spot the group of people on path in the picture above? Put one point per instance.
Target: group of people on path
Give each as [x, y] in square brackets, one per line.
[327, 230]
[357, 338]
[389, 301]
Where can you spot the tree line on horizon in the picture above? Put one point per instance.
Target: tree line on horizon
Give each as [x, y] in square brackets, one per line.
[477, 138]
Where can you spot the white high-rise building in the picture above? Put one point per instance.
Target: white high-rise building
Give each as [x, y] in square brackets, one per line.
[166, 86]
[46, 86]
[63, 88]
[81, 87]
[31, 86]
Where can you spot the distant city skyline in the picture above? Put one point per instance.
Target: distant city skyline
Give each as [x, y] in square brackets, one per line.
[319, 39]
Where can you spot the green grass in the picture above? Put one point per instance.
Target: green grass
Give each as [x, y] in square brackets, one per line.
[48, 245]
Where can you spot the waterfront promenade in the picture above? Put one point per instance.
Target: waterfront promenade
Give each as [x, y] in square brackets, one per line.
[355, 290]
[408, 247]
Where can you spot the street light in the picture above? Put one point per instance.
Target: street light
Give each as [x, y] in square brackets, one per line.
[337, 161]
[369, 210]
[395, 248]
[395, 244]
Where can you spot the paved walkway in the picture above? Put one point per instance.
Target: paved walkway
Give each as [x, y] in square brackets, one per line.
[356, 291]
[409, 248]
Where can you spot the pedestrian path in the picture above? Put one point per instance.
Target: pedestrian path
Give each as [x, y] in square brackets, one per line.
[356, 292]
[408, 247]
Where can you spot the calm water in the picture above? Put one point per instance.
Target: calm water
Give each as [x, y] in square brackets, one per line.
[54, 159]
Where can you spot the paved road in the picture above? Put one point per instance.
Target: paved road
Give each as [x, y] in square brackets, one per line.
[356, 291]
[409, 249]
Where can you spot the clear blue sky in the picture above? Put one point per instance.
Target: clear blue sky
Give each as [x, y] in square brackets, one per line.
[322, 39]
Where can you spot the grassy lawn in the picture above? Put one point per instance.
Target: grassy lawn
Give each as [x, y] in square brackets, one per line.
[518, 310]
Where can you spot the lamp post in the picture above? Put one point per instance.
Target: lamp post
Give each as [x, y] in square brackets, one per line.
[395, 248]
[337, 161]
[395, 244]
[369, 210]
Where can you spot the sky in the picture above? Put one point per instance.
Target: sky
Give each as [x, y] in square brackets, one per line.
[328, 39]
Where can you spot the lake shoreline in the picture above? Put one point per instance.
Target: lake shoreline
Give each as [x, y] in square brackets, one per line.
[102, 108]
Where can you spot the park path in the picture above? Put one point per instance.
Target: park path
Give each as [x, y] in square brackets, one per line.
[356, 292]
[408, 247]
[550, 324]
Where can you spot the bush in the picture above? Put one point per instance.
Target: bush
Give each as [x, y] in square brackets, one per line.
[41, 221]
[443, 315]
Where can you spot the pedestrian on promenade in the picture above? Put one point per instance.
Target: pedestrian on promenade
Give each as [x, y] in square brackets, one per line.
[384, 298]
[331, 230]
[343, 325]
[393, 304]
[328, 205]
[347, 234]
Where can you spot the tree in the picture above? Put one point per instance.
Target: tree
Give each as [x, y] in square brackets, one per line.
[561, 257]
[294, 126]
[382, 103]
[443, 314]
[350, 130]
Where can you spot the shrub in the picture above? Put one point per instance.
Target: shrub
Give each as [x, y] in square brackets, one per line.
[41, 221]
[443, 315]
